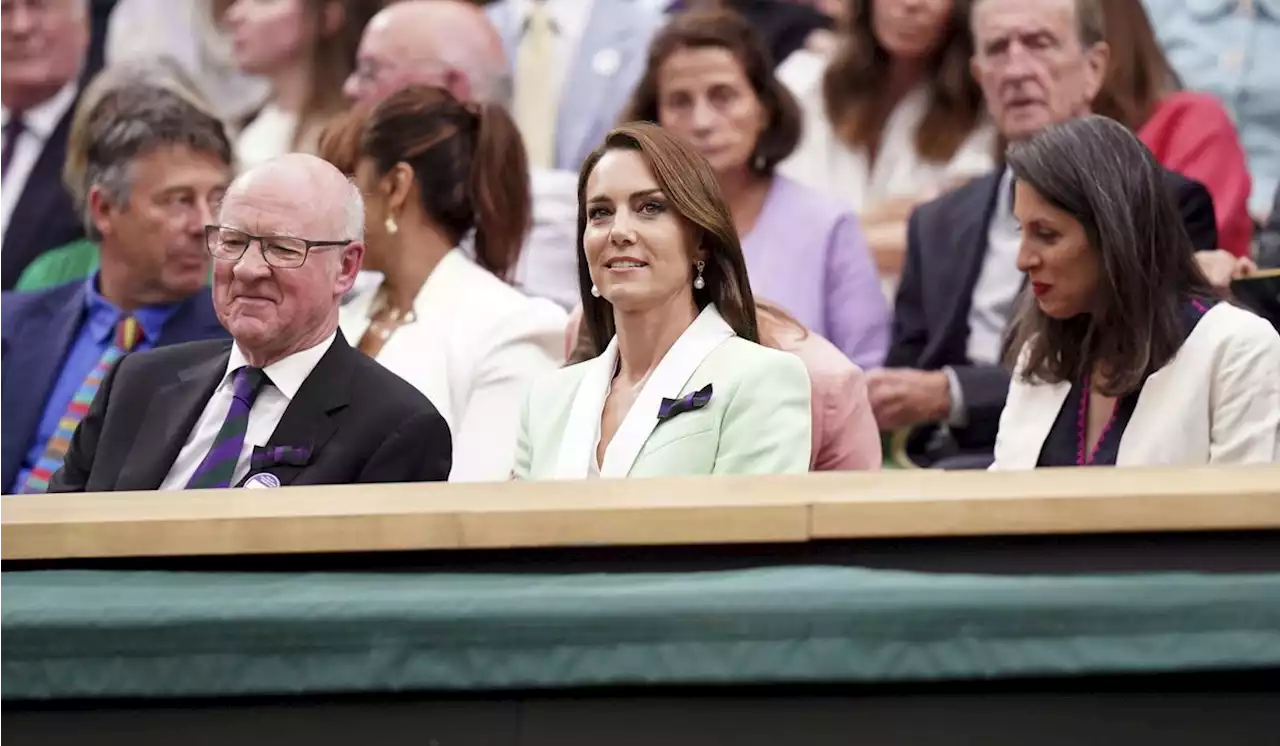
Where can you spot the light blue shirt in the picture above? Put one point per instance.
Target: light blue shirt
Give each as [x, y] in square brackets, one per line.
[1229, 48]
[96, 334]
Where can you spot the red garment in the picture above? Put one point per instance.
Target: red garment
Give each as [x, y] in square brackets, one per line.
[1191, 133]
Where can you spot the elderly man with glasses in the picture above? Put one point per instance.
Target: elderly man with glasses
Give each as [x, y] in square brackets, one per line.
[288, 402]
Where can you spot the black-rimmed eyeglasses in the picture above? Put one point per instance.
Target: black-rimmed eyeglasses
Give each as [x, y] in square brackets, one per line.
[283, 252]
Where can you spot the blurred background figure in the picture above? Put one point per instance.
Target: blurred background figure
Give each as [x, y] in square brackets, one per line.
[156, 167]
[1228, 48]
[434, 170]
[893, 117]
[1188, 132]
[452, 44]
[306, 49]
[787, 26]
[79, 259]
[1124, 355]
[192, 34]
[709, 81]
[43, 48]
[574, 64]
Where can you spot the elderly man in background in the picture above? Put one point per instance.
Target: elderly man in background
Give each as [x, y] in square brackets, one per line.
[289, 402]
[1039, 62]
[43, 45]
[156, 166]
[453, 45]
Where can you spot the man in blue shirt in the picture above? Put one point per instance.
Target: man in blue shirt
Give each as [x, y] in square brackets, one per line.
[157, 167]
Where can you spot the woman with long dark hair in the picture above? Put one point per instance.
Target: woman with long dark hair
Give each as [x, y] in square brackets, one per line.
[1124, 355]
[679, 384]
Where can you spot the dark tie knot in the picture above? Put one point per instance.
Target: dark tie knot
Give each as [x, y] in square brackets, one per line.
[247, 382]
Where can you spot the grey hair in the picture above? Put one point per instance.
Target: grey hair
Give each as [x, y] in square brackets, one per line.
[1091, 26]
[353, 212]
[133, 120]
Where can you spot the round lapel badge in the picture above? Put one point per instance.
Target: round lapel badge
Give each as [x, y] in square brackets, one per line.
[606, 62]
[262, 481]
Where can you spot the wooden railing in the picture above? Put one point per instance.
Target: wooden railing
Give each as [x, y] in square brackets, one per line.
[723, 510]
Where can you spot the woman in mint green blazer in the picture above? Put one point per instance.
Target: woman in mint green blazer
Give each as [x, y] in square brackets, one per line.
[680, 386]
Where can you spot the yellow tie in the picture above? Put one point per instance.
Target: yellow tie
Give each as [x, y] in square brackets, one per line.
[535, 90]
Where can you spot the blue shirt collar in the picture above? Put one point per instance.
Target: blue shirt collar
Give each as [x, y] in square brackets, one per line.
[102, 315]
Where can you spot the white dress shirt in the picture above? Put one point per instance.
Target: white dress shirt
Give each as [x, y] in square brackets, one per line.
[568, 22]
[38, 124]
[285, 377]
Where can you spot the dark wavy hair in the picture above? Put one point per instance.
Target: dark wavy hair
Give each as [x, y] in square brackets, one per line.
[1096, 170]
[688, 182]
[855, 86]
[725, 29]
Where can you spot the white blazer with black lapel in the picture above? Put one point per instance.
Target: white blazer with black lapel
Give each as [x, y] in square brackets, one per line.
[1216, 402]
[605, 70]
[475, 348]
[756, 419]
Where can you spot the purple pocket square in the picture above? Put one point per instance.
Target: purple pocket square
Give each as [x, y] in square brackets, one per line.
[672, 407]
[268, 456]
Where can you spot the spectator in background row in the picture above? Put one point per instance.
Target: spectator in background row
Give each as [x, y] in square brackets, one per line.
[451, 44]
[1124, 356]
[433, 170]
[679, 386]
[1188, 132]
[193, 35]
[1039, 62]
[306, 48]
[1228, 48]
[79, 259]
[893, 118]
[43, 44]
[709, 81]
[574, 64]
[154, 173]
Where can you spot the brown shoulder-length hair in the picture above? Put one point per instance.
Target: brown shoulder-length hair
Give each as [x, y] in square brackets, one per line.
[724, 29]
[469, 163]
[687, 180]
[1095, 169]
[855, 86]
[1138, 74]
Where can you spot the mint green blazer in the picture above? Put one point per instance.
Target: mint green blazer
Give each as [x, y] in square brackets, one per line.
[757, 421]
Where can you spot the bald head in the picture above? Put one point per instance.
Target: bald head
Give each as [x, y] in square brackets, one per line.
[449, 44]
[288, 248]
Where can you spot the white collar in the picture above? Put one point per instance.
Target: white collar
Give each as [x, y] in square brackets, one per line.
[41, 119]
[286, 374]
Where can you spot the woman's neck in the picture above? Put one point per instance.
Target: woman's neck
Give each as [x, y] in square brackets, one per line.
[745, 191]
[290, 87]
[904, 75]
[418, 250]
[644, 337]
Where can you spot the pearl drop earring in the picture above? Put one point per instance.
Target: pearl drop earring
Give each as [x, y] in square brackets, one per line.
[698, 282]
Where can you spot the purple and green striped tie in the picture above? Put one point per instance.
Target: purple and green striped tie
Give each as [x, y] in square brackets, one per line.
[219, 465]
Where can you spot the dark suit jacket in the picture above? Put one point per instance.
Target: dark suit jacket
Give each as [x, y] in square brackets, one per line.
[45, 217]
[38, 330]
[946, 247]
[360, 423]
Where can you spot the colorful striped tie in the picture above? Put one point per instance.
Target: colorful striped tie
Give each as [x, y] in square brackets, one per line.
[128, 334]
[219, 464]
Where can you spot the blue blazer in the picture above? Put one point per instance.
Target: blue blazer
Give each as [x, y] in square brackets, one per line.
[608, 64]
[38, 329]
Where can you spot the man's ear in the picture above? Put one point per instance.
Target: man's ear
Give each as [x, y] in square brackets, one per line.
[1097, 63]
[350, 259]
[101, 210]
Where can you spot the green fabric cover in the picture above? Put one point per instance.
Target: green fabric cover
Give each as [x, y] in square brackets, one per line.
[153, 634]
[74, 261]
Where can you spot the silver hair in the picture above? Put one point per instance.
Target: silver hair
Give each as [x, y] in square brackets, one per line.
[353, 213]
[133, 120]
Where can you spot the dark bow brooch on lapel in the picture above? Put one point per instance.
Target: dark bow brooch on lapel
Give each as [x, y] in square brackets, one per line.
[672, 407]
[267, 456]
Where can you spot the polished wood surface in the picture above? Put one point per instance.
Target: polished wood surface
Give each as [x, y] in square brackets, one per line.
[723, 510]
